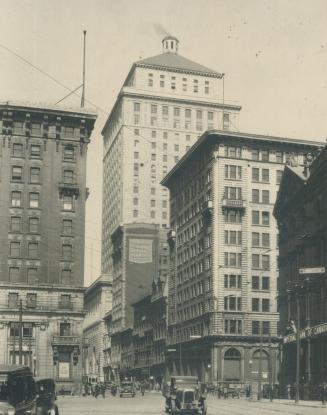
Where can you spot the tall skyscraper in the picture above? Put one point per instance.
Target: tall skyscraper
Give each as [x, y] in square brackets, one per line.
[42, 229]
[165, 104]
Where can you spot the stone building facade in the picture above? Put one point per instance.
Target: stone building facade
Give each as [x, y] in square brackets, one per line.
[97, 301]
[222, 312]
[42, 202]
[301, 214]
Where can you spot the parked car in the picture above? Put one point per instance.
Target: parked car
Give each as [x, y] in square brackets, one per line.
[17, 390]
[46, 396]
[127, 389]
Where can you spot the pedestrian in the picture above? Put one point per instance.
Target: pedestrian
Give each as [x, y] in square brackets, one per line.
[103, 390]
[142, 388]
[323, 393]
[96, 390]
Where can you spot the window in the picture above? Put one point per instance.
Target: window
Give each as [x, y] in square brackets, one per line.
[266, 240]
[28, 327]
[233, 237]
[137, 106]
[232, 259]
[255, 239]
[233, 172]
[255, 217]
[233, 327]
[255, 196]
[67, 226]
[31, 275]
[16, 199]
[206, 87]
[35, 129]
[18, 127]
[15, 249]
[68, 202]
[64, 327]
[135, 201]
[265, 155]
[255, 261]
[152, 203]
[152, 214]
[136, 154]
[17, 173]
[162, 81]
[135, 213]
[15, 224]
[279, 174]
[265, 175]
[233, 193]
[265, 196]
[33, 225]
[255, 154]
[255, 327]
[226, 121]
[255, 304]
[136, 131]
[30, 301]
[176, 147]
[17, 150]
[233, 152]
[67, 252]
[279, 157]
[68, 176]
[266, 262]
[265, 283]
[33, 249]
[35, 151]
[13, 300]
[265, 305]
[177, 112]
[265, 218]
[34, 175]
[69, 153]
[13, 274]
[255, 174]
[265, 327]
[150, 79]
[34, 200]
[255, 283]
[232, 216]
[66, 275]
[154, 109]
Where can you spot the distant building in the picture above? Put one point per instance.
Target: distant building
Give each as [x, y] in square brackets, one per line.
[140, 255]
[97, 301]
[301, 212]
[42, 201]
[165, 104]
[222, 286]
[150, 334]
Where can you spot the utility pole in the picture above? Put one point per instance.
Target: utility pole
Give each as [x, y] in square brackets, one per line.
[83, 90]
[20, 328]
[297, 373]
[180, 356]
[260, 364]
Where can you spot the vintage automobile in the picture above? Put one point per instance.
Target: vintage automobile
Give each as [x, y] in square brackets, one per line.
[17, 390]
[126, 389]
[184, 395]
[46, 397]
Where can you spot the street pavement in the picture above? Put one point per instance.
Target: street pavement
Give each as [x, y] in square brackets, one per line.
[152, 404]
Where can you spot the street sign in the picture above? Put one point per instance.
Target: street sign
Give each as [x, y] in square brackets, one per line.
[320, 270]
[171, 350]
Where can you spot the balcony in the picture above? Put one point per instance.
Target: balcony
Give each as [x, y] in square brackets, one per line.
[71, 189]
[207, 207]
[171, 238]
[238, 204]
[65, 305]
[66, 340]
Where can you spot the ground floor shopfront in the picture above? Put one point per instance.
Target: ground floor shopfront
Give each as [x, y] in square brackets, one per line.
[313, 362]
[244, 361]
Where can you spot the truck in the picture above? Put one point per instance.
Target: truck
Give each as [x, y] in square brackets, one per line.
[184, 395]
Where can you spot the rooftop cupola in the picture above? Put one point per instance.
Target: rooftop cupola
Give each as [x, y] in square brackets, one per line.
[170, 44]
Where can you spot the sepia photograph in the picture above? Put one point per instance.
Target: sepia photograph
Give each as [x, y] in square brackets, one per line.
[163, 189]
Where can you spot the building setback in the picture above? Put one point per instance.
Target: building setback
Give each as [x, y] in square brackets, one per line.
[42, 202]
[301, 214]
[222, 315]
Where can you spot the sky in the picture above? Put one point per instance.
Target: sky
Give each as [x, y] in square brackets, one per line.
[273, 54]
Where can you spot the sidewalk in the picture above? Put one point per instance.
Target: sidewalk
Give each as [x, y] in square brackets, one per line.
[308, 404]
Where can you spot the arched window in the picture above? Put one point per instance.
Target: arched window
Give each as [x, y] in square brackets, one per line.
[232, 365]
[264, 362]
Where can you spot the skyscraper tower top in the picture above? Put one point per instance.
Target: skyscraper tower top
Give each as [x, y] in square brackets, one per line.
[170, 44]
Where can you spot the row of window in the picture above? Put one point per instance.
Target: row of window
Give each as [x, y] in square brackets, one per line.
[261, 155]
[15, 250]
[35, 175]
[31, 302]
[235, 327]
[153, 214]
[31, 276]
[258, 218]
[234, 259]
[34, 200]
[35, 151]
[34, 225]
[261, 304]
[234, 281]
[36, 129]
[185, 83]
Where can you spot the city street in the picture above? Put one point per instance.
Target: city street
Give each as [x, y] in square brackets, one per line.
[152, 404]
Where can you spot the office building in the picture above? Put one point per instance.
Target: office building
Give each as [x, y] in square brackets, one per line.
[42, 202]
[222, 313]
[301, 214]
